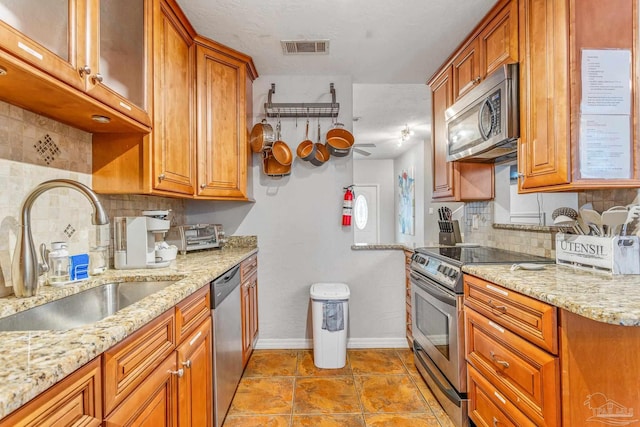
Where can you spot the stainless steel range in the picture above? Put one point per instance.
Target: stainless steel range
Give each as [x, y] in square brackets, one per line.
[437, 318]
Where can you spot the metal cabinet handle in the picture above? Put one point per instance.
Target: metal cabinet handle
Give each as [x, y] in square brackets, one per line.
[161, 177]
[187, 364]
[495, 422]
[86, 70]
[497, 361]
[477, 80]
[502, 308]
[203, 186]
[179, 372]
[97, 78]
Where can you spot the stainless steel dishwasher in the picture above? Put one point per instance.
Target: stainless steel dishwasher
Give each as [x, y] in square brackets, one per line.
[227, 341]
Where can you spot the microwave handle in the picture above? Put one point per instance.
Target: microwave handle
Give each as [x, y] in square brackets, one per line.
[486, 133]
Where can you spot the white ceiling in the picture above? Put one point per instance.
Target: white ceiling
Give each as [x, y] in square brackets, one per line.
[388, 48]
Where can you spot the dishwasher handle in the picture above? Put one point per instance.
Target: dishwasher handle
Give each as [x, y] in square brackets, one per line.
[224, 285]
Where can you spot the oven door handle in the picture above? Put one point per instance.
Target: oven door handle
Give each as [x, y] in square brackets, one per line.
[433, 289]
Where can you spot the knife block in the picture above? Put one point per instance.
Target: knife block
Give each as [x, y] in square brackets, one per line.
[449, 233]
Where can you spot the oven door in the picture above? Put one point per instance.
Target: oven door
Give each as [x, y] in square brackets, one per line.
[437, 319]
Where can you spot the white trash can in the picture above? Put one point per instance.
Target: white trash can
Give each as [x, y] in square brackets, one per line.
[330, 313]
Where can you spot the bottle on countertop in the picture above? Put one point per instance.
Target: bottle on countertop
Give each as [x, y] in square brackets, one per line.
[58, 260]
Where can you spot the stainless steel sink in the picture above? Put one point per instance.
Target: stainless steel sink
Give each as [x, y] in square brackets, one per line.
[82, 308]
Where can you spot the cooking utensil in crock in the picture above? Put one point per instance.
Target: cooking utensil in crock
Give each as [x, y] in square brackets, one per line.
[280, 150]
[322, 154]
[261, 137]
[339, 141]
[306, 149]
[613, 220]
[592, 217]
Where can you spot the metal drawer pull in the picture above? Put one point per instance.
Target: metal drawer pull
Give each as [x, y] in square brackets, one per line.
[187, 364]
[495, 422]
[502, 363]
[502, 308]
[179, 372]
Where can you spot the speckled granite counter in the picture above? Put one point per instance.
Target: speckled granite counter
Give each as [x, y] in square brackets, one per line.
[381, 247]
[34, 361]
[597, 296]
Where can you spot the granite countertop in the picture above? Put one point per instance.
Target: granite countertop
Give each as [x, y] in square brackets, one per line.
[34, 361]
[597, 296]
[381, 247]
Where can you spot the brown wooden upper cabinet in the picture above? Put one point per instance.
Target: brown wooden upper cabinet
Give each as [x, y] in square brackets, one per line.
[87, 55]
[201, 110]
[553, 34]
[492, 43]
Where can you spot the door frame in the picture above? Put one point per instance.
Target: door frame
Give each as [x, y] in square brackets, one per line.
[377, 189]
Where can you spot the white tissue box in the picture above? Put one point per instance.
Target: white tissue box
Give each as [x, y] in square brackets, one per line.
[615, 255]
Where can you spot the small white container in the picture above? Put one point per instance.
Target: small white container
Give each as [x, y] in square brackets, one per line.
[58, 261]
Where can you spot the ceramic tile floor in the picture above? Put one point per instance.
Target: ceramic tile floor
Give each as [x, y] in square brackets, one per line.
[377, 387]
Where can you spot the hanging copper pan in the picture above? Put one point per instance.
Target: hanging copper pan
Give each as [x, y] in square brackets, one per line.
[261, 137]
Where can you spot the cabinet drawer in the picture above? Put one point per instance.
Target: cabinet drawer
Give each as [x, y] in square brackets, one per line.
[76, 400]
[523, 373]
[128, 363]
[248, 266]
[488, 408]
[191, 312]
[533, 320]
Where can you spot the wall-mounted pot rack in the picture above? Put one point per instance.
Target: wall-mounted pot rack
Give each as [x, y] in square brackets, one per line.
[302, 109]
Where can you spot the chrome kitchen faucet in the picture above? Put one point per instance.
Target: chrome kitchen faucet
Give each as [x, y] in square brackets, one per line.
[25, 268]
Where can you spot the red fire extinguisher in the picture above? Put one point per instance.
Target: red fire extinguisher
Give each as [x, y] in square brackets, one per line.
[347, 206]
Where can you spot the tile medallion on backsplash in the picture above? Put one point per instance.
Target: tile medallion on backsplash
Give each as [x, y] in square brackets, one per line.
[47, 149]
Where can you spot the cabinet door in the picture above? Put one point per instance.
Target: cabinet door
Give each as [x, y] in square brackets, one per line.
[120, 34]
[173, 104]
[195, 390]
[222, 144]
[543, 156]
[153, 403]
[442, 170]
[467, 71]
[499, 39]
[253, 290]
[76, 400]
[48, 35]
[249, 318]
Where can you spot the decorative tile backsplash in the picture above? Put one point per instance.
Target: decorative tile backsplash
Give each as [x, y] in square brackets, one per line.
[34, 149]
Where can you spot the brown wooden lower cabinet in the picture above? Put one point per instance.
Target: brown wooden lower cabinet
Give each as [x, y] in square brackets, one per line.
[513, 374]
[195, 388]
[249, 305]
[76, 400]
[152, 403]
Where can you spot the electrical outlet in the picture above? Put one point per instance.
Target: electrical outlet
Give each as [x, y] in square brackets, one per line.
[430, 211]
[475, 222]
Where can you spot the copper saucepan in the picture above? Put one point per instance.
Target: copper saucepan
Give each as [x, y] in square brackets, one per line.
[322, 153]
[261, 137]
[280, 150]
[339, 140]
[306, 149]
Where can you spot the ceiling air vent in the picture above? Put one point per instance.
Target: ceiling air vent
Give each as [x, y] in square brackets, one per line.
[304, 47]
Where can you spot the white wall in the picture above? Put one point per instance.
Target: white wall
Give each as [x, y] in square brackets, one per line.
[412, 160]
[380, 172]
[300, 237]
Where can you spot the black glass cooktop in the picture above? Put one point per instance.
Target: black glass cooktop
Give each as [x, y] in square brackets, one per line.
[481, 255]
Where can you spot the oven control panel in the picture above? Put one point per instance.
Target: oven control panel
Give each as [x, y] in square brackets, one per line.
[438, 270]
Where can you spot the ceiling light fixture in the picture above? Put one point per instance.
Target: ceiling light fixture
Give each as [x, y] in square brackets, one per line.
[406, 133]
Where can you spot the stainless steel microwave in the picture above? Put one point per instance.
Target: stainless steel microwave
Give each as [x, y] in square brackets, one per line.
[483, 125]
